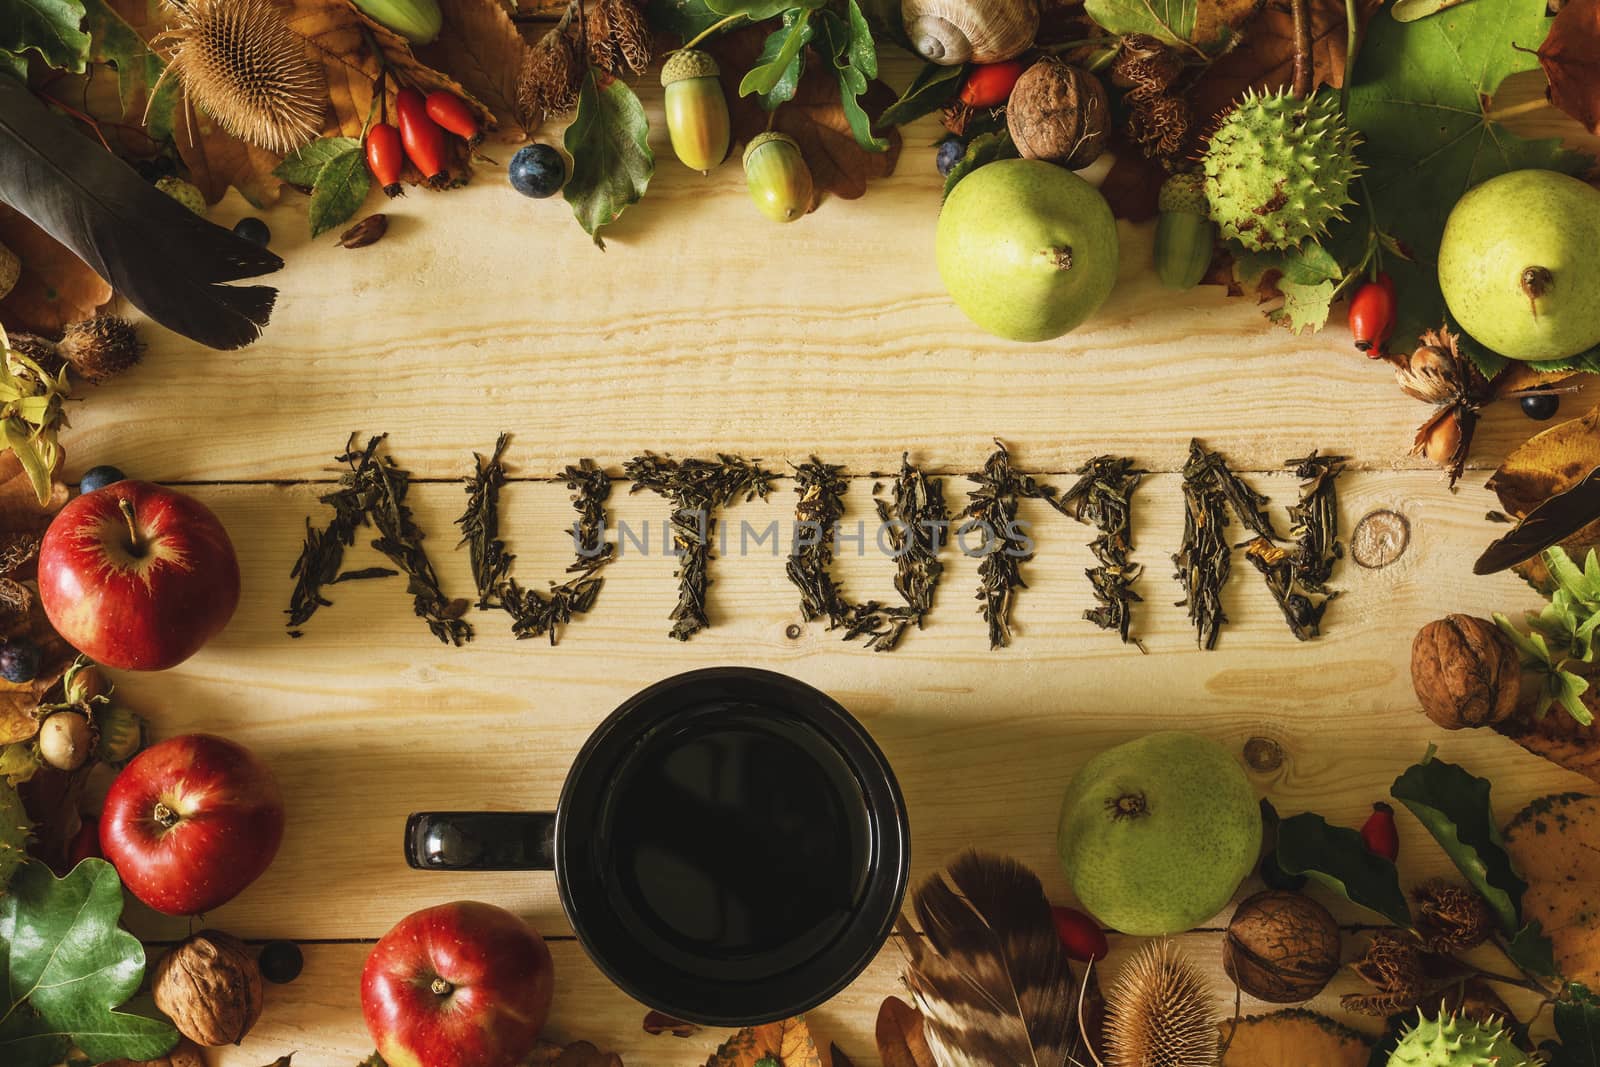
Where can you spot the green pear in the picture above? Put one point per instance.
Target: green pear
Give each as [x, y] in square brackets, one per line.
[1519, 267]
[1027, 249]
[1157, 834]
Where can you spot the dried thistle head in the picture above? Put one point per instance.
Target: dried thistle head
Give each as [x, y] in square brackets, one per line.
[1160, 1013]
[241, 64]
[1452, 917]
[549, 79]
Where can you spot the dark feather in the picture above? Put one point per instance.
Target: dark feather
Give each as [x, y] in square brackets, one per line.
[163, 257]
[989, 974]
[1550, 523]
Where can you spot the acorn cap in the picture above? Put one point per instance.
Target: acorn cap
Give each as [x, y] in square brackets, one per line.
[1184, 192]
[766, 138]
[689, 63]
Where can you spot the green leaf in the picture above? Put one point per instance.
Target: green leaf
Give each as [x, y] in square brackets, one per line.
[1308, 278]
[1175, 22]
[13, 64]
[681, 18]
[1338, 857]
[1488, 363]
[115, 42]
[340, 189]
[1532, 951]
[1421, 100]
[855, 62]
[15, 827]
[782, 61]
[934, 86]
[609, 142]
[1577, 1021]
[306, 165]
[1454, 805]
[757, 10]
[67, 966]
[48, 27]
[985, 148]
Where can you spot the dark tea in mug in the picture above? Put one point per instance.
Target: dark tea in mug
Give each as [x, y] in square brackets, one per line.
[738, 841]
[730, 846]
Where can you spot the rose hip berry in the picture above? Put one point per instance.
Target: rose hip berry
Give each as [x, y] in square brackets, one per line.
[1080, 935]
[1380, 833]
[451, 112]
[1372, 314]
[422, 138]
[385, 156]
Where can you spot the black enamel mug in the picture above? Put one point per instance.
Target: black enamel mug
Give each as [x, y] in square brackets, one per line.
[730, 846]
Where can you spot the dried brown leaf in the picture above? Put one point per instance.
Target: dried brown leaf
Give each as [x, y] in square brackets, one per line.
[1265, 60]
[55, 287]
[901, 1042]
[217, 160]
[789, 1041]
[480, 45]
[1548, 463]
[657, 1023]
[1133, 184]
[814, 118]
[21, 515]
[577, 1054]
[1570, 56]
[1555, 844]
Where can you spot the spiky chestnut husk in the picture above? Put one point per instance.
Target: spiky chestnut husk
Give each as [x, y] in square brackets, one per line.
[239, 61]
[1278, 169]
[1452, 1041]
[101, 347]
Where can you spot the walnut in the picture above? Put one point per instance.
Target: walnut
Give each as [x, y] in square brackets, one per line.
[185, 1054]
[1465, 671]
[211, 988]
[1281, 947]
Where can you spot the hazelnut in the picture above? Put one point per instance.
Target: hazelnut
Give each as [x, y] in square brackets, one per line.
[65, 740]
[1465, 672]
[211, 988]
[1281, 947]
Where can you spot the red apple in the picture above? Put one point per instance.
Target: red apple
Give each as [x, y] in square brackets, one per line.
[137, 577]
[457, 985]
[191, 822]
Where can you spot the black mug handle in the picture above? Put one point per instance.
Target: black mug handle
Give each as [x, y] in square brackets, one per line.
[481, 841]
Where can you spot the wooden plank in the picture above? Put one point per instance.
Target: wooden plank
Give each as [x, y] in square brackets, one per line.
[319, 1016]
[368, 718]
[704, 328]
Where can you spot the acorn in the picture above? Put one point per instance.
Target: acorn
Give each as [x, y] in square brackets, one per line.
[1185, 235]
[697, 112]
[779, 180]
[101, 347]
[66, 740]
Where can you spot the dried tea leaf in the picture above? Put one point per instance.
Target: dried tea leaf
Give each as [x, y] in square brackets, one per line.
[577, 1054]
[55, 287]
[480, 45]
[1548, 463]
[1555, 844]
[1296, 1036]
[1266, 61]
[788, 1041]
[1570, 56]
[901, 1040]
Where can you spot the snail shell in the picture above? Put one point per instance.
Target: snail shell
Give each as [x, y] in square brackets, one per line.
[951, 32]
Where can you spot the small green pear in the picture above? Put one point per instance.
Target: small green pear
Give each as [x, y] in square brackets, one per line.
[1027, 249]
[1518, 264]
[1157, 834]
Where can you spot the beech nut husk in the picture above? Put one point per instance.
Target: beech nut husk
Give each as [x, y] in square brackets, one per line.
[211, 988]
[1281, 947]
[1465, 671]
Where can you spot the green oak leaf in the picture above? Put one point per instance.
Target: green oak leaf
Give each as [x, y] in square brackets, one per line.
[66, 966]
[1577, 1021]
[115, 42]
[609, 142]
[681, 18]
[782, 61]
[757, 10]
[850, 46]
[984, 148]
[934, 86]
[1171, 21]
[1454, 805]
[14, 65]
[1308, 278]
[48, 27]
[1421, 100]
[1338, 857]
[15, 826]
[340, 189]
[303, 167]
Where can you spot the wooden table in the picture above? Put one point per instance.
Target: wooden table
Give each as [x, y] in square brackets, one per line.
[705, 328]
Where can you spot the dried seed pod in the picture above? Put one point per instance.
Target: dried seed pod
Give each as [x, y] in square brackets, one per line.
[368, 231]
[1159, 1013]
[210, 987]
[41, 350]
[1281, 947]
[1159, 124]
[101, 347]
[548, 82]
[1452, 917]
[619, 37]
[1059, 113]
[952, 32]
[239, 61]
[1429, 375]
[1143, 64]
[1466, 673]
[1392, 966]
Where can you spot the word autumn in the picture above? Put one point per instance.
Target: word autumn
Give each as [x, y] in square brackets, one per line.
[915, 528]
